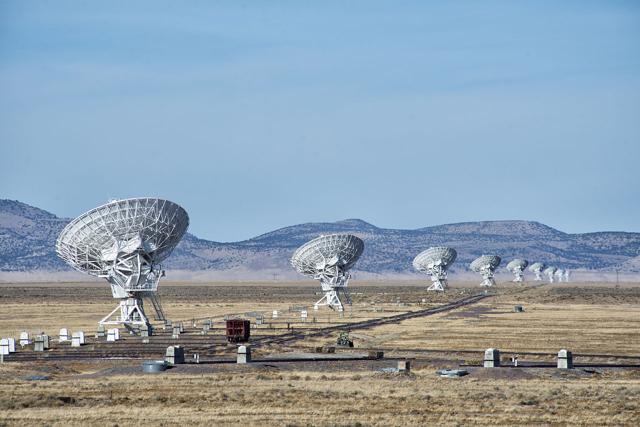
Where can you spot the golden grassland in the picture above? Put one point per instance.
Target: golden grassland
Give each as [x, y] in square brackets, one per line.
[47, 307]
[271, 397]
[585, 318]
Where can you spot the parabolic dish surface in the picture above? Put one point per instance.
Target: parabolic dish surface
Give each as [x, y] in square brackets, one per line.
[152, 226]
[537, 266]
[490, 261]
[517, 264]
[439, 255]
[342, 250]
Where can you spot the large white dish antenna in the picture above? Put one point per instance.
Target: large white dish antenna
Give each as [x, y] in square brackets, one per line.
[124, 242]
[328, 259]
[435, 262]
[486, 266]
[517, 267]
[537, 268]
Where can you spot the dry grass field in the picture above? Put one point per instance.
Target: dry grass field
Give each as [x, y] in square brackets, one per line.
[585, 318]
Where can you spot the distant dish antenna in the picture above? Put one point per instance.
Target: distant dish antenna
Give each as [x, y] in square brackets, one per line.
[486, 265]
[435, 261]
[328, 259]
[559, 274]
[549, 272]
[124, 242]
[537, 268]
[567, 274]
[517, 267]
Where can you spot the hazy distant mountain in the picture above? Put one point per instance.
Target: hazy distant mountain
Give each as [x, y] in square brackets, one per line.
[28, 234]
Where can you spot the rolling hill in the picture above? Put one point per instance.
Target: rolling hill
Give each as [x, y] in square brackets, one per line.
[28, 234]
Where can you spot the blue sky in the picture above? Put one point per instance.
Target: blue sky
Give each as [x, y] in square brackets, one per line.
[256, 115]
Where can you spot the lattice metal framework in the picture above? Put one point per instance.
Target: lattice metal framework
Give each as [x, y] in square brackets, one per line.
[435, 262]
[328, 259]
[537, 268]
[124, 242]
[549, 272]
[486, 265]
[517, 267]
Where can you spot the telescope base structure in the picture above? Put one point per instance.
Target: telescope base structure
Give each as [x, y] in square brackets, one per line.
[487, 277]
[438, 285]
[331, 298]
[518, 277]
[488, 282]
[538, 277]
[550, 278]
[129, 312]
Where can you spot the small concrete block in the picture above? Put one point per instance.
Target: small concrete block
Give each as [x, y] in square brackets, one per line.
[244, 354]
[24, 338]
[404, 366]
[174, 355]
[4, 346]
[518, 309]
[38, 343]
[304, 314]
[145, 340]
[12, 345]
[274, 315]
[101, 331]
[491, 358]
[79, 337]
[565, 359]
[63, 335]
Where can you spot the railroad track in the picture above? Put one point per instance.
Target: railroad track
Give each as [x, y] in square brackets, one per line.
[207, 345]
[296, 336]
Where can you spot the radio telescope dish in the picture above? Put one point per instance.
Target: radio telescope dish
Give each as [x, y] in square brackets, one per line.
[486, 265]
[435, 261]
[567, 273]
[124, 242]
[517, 267]
[328, 259]
[537, 268]
[559, 274]
[549, 272]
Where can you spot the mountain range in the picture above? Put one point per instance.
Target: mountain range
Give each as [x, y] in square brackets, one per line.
[28, 234]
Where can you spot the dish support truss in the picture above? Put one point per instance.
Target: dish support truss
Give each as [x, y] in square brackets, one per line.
[333, 281]
[487, 276]
[438, 278]
[538, 275]
[518, 273]
[550, 274]
[132, 276]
